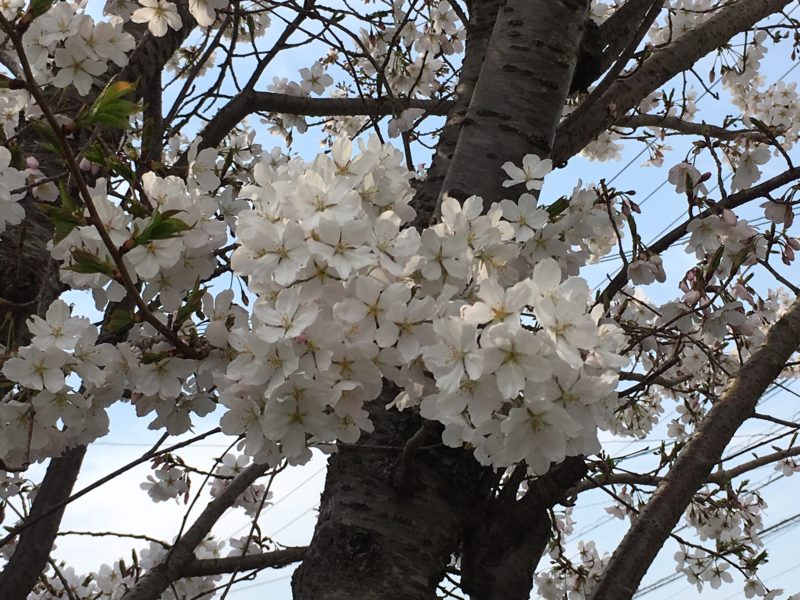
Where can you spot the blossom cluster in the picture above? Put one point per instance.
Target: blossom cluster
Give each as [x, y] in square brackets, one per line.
[472, 319]
[68, 47]
[476, 319]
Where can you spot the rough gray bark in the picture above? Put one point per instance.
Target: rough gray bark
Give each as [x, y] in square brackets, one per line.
[656, 520]
[374, 540]
[519, 98]
[505, 540]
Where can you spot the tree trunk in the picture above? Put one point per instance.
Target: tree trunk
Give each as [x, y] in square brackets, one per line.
[519, 97]
[378, 537]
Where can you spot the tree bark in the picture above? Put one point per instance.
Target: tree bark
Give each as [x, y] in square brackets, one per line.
[375, 539]
[519, 97]
[505, 541]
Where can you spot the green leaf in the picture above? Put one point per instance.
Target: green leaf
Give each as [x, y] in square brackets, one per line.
[162, 226]
[65, 217]
[714, 264]
[149, 358]
[120, 168]
[96, 155]
[194, 301]
[110, 107]
[38, 8]
[86, 262]
[557, 207]
[762, 127]
[51, 141]
[120, 320]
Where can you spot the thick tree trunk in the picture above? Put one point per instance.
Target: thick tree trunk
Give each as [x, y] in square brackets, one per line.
[519, 98]
[379, 536]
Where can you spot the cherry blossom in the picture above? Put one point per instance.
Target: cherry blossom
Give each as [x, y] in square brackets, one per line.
[531, 174]
[11, 212]
[159, 15]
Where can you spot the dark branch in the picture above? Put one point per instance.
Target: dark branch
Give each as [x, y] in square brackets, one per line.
[252, 562]
[732, 201]
[688, 127]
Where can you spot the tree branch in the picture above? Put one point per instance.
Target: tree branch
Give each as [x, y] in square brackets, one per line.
[251, 562]
[615, 31]
[732, 201]
[693, 466]
[249, 101]
[588, 121]
[158, 579]
[504, 543]
[31, 520]
[688, 127]
[626, 52]
[720, 477]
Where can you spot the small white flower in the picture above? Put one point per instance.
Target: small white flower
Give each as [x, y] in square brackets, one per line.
[11, 212]
[158, 15]
[287, 319]
[76, 67]
[315, 80]
[205, 11]
[168, 483]
[747, 171]
[58, 329]
[37, 369]
[531, 174]
[684, 173]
